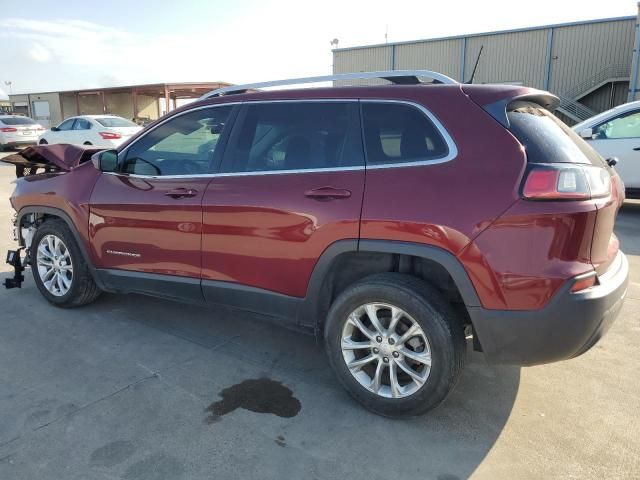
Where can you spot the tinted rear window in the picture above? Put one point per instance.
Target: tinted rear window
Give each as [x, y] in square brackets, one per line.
[17, 121]
[396, 133]
[115, 122]
[546, 138]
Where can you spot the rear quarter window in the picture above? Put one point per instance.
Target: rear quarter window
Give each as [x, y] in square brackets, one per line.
[546, 138]
[398, 133]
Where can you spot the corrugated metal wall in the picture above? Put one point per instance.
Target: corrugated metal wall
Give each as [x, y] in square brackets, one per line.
[441, 56]
[511, 57]
[580, 51]
[363, 60]
[568, 54]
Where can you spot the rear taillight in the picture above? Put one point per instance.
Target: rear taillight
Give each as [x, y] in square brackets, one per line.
[8, 129]
[40, 128]
[561, 181]
[110, 135]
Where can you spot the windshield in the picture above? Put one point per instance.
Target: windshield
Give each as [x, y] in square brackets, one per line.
[114, 122]
[17, 121]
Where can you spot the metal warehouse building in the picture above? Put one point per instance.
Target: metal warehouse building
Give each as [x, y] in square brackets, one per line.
[591, 65]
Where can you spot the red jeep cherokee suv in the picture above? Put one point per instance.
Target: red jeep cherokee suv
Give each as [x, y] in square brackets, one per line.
[395, 220]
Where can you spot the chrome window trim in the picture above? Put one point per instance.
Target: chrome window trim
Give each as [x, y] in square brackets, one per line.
[452, 148]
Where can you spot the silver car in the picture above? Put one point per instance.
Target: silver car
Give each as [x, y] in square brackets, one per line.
[16, 130]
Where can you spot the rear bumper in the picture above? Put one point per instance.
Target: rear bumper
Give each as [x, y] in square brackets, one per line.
[567, 327]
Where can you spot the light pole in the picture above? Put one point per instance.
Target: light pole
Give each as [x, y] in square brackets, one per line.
[8, 83]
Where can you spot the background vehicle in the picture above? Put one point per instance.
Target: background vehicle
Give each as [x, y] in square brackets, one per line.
[482, 213]
[616, 133]
[16, 130]
[108, 131]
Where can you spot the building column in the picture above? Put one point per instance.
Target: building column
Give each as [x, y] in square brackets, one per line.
[134, 94]
[77, 104]
[548, 60]
[104, 102]
[635, 62]
[463, 58]
[167, 99]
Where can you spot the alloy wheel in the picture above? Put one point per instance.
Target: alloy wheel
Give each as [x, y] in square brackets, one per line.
[386, 350]
[55, 266]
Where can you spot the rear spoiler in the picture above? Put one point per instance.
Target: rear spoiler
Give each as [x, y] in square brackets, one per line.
[495, 99]
[49, 158]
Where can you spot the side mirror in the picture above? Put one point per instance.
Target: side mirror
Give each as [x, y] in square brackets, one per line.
[55, 129]
[587, 133]
[105, 161]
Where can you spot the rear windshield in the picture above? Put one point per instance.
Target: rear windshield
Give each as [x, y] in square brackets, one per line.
[115, 122]
[17, 121]
[546, 138]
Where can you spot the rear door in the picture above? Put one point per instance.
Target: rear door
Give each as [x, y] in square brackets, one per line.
[291, 184]
[147, 218]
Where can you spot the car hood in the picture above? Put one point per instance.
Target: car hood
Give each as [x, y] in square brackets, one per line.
[59, 157]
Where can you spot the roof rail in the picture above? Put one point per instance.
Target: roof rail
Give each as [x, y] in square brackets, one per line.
[399, 77]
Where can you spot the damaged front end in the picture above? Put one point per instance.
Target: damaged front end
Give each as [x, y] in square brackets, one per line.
[49, 159]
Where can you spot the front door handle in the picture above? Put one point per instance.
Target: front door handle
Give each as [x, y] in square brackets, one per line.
[327, 193]
[181, 193]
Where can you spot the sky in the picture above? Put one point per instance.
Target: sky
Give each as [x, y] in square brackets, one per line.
[71, 44]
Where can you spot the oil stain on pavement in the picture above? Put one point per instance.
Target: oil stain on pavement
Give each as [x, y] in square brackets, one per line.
[261, 395]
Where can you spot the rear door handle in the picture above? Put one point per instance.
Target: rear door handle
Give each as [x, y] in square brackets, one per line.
[181, 193]
[327, 193]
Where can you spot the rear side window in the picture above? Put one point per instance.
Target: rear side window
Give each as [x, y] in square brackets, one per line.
[546, 138]
[17, 121]
[273, 137]
[396, 133]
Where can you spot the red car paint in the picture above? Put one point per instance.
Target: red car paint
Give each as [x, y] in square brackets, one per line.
[261, 231]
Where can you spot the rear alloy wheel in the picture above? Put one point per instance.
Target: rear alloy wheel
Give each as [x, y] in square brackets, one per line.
[393, 359]
[395, 344]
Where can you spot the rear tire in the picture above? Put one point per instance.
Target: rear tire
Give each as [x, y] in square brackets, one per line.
[43, 142]
[59, 269]
[419, 369]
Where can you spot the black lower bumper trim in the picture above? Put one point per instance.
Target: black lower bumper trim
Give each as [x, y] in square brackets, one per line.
[567, 327]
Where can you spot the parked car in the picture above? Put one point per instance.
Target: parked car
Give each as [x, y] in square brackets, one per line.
[108, 131]
[392, 220]
[16, 130]
[616, 134]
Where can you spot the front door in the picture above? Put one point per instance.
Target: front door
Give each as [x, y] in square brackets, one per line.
[291, 183]
[620, 137]
[146, 219]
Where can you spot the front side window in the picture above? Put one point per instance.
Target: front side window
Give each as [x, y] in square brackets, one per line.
[184, 145]
[284, 136]
[66, 125]
[397, 133]
[626, 125]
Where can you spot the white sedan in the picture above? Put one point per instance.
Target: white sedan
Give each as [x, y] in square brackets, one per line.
[616, 133]
[107, 131]
[16, 131]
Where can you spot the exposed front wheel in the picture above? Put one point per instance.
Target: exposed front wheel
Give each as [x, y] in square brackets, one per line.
[59, 270]
[395, 344]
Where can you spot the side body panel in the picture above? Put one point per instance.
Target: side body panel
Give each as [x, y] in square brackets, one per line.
[262, 231]
[134, 224]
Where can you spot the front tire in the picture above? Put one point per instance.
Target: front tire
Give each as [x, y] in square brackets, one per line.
[395, 344]
[42, 142]
[59, 269]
